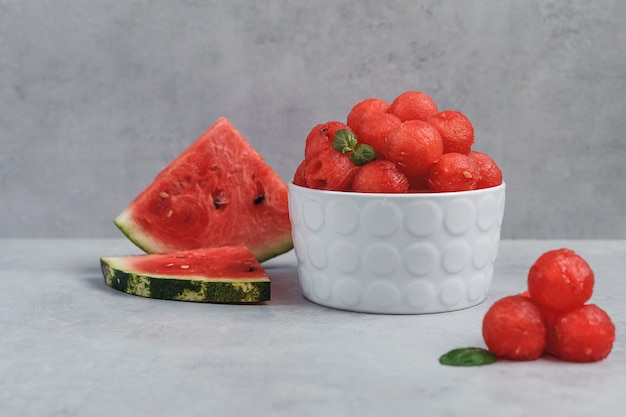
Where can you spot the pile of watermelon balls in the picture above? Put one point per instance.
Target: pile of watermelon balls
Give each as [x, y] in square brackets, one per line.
[552, 316]
[407, 145]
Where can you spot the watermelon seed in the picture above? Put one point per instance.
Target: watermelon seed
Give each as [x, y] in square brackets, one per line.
[169, 214]
[467, 174]
[252, 269]
[260, 192]
[184, 266]
[184, 182]
[219, 198]
[169, 265]
[163, 194]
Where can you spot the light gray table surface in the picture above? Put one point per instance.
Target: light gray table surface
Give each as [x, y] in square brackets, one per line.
[71, 346]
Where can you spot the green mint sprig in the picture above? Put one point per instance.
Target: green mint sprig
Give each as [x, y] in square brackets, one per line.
[345, 142]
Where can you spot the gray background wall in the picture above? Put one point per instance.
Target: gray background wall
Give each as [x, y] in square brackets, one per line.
[96, 96]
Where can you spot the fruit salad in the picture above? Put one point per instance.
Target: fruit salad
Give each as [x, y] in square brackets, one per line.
[405, 146]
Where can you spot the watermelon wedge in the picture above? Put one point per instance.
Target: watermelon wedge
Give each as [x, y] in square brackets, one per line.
[217, 192]
[229, 274]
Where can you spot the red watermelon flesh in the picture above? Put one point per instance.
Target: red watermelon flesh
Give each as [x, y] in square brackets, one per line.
[217, 192]
[226, 262]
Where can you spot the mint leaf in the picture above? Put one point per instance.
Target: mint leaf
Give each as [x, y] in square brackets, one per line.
[470, 356]
[344, 141]
[362, 154]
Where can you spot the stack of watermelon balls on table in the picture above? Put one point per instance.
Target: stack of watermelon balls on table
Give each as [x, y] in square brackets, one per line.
[404, 146]
[553, 316]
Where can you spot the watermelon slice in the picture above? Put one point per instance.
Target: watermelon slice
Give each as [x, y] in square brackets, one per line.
[217, 192]
[230, 274]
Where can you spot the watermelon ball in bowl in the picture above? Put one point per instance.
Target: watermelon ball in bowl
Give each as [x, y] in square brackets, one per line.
[396, 253]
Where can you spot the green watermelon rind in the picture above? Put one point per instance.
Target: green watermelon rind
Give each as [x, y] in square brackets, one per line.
[275, 249]
[195, 289]
[142, 239]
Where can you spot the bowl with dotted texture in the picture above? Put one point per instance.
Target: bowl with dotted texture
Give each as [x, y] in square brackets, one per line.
[396, 253]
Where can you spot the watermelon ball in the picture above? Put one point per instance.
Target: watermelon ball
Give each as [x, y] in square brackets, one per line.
[299, 177]
[316, 141]
[413, 105]
[490, 174]
[514, 328]
[375, 129]
[414, 146]
[321, 137]
[584, 334]
[330, 170]
[453, 172]
[363, 110]
[455, 129]
[560, 280]
[380, 176]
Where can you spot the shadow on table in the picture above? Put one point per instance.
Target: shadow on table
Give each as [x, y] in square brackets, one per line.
[285, 285]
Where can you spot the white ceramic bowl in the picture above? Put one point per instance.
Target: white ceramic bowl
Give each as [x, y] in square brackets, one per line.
[396, 253]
